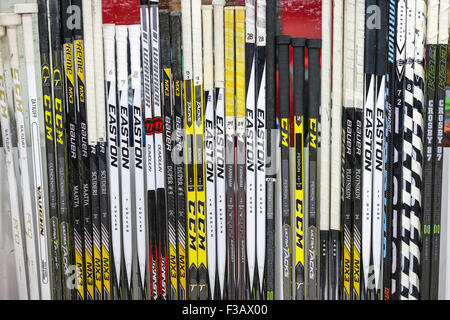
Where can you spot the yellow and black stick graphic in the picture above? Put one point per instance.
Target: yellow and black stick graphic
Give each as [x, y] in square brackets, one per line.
[314, 100]
[283, 43]
[202, 260]
[60, 140]
[180, 193]
[84, 155]
[189, 149]
[298, 90]
[73, 145]
[164, 25]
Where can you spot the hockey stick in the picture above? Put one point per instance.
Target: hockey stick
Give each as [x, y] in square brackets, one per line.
[152, 271]
[105, 228]
[161, 213]
[137, 142]
[398, 147]
[219, 84]
[242, 282]
[283, 43]
[261, 140]
[325, 144]
[53, 280]
[334, 259]
[122, 62]
[229, 153]
[127, 32]
[417, 144]
[109, 20]
[189, 157]
[159, 153]
[167, 98]
[82, 130]
[348, 120]
[314, 46]
[16, 220]
[73, 123]
[168, 128]
[198, 150]
[358, 101]
[378, 149]
[299, 127]
[90, 98]
[11, 22]
[438, 154]
[74, 147]
[250, 133]
[40, 195]
[407, 147]
[389, 150]
[368, 142]
[175, 22]
[47, 82]
[428, 165]
[210, 156]
[271, 174]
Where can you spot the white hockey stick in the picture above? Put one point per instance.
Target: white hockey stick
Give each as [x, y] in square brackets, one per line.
[19, 249]
[41, 217]
[11, 22]
[219, 75]
[210, 148]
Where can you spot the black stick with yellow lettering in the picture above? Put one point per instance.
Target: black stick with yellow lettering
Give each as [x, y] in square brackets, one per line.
[46, 75]
[73, 145]
[314, 46]
[298, 90]
[164, 24]
[60, 140]
[283, 42]
[84, 157]
[180, 193]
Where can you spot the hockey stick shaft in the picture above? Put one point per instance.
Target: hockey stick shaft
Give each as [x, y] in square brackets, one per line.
[20, 107]
[261, 142]
[299, 128]
[202, 261]
[179, 167]
[271, 174]
[314, 46]
[250, 134]
[90, 95]
[240, 153]
[168, 127]
[219, 84]
[324, 164]
[229, 18]
[209, 146]
[189, 157]
[348, 122]
[407, 148]
[437, 183]
[358, 147]
[284, 96]
[40, 193]
[19, 246]
[336, 150]
[105, 248]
